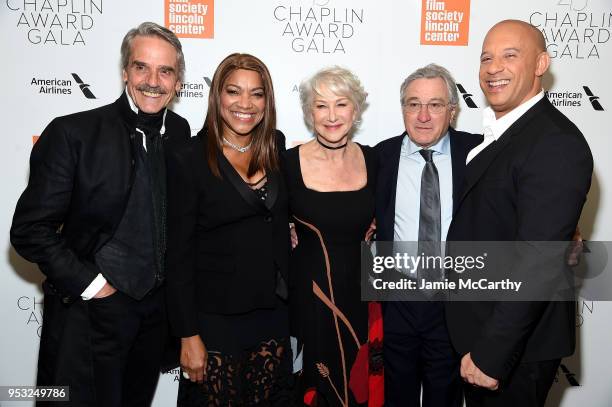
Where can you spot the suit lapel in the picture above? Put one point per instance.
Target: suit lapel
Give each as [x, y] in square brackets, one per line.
[478, 166]
[459, 151]
[273, 187]
[389, 172]
[238, 183]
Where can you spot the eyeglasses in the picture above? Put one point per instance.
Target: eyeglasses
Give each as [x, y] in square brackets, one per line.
[433, 107]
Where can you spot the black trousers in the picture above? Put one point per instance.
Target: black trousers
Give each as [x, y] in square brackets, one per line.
[418, 354]
[528, 386]
[108, 351]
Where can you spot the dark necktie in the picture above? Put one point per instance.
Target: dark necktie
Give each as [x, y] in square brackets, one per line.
[429, 218]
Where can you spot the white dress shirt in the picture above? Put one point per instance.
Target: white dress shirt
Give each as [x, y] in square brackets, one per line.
[408, 188]
[493, 128]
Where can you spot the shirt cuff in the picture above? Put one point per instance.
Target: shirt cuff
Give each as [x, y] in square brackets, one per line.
[93, 288]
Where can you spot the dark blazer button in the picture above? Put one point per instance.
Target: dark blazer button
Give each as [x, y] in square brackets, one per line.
[268, 218]
[66, 299]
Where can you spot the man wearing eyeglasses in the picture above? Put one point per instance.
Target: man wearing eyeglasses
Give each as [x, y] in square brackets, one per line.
[419, 179]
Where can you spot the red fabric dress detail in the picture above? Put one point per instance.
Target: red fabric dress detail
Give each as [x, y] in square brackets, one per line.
[376, 371]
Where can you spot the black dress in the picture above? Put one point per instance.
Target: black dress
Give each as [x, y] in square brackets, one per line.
[247, 358]
[228, 245]
[327, 315]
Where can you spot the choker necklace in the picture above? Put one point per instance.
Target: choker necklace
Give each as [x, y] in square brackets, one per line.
[238, 148]
[331, 147]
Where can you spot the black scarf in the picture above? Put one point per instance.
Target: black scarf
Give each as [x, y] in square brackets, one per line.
[150, 125]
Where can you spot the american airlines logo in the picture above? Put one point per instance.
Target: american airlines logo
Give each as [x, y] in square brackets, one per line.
[574, 98]
[61, 86]
[593, 99]
[467, 97]
[194, 89]
[83, 86]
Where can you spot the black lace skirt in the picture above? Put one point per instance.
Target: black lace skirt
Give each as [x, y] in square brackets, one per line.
[249, 361]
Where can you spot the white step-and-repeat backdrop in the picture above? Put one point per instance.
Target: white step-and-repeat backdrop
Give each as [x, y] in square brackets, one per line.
[62, 56]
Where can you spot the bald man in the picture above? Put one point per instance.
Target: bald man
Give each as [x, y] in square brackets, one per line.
[527, 181]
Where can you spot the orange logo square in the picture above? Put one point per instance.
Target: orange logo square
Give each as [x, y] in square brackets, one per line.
[34, 139]
[190, 18]
[445, 22]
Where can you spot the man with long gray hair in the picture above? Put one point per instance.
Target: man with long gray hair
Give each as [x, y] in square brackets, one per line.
[93, 216]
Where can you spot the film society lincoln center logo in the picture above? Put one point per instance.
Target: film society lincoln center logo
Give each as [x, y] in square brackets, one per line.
[445, 22]
[190, 18]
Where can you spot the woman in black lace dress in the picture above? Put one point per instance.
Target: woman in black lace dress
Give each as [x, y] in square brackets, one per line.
[228, 246]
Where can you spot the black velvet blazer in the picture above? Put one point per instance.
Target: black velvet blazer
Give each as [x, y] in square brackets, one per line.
[226, 247]
[81, 175]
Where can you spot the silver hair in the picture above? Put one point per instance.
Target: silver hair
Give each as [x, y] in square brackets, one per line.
[341, 82]
[429, 72]
[152, 29]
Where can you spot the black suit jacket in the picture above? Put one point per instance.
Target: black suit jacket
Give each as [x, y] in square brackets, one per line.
[389, 155]
[81, 173]
[226, 247]
[529, 185]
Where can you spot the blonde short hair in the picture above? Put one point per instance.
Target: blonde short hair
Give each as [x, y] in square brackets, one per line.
[339, 81]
